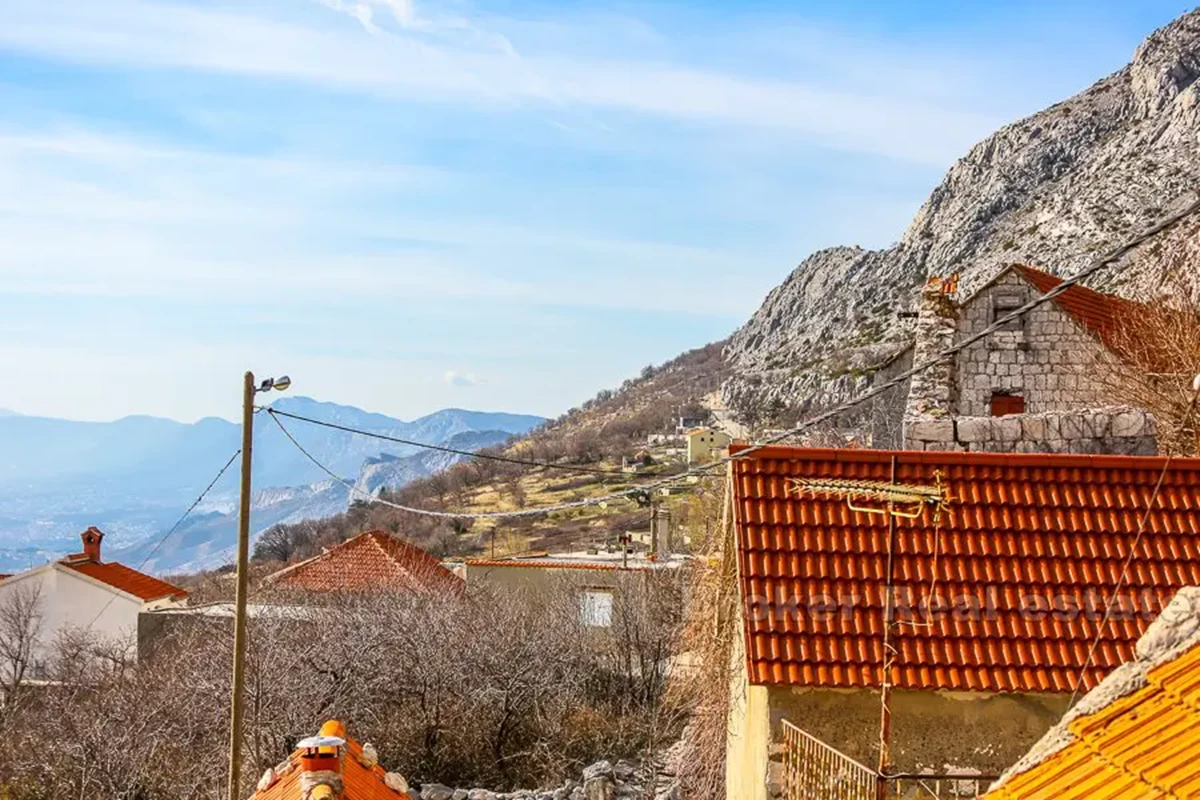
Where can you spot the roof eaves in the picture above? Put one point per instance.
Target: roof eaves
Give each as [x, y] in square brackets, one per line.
[70, 570]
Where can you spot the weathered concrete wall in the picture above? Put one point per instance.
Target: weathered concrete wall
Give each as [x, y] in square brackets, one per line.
[1118, 430]
[1051, 361]
[748, 737]
[944, 731]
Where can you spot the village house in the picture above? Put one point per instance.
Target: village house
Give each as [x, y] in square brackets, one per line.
[1036, 385]
[371, 561]
[595, 579]
[705, 445]
[996, 568]
[1136, 735]
[83, 593]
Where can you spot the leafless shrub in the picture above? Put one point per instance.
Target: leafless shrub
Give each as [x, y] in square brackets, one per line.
[1155, 358]
[496, 691]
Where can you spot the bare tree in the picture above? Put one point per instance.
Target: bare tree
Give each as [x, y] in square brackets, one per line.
[1155, 358]
[20, 633]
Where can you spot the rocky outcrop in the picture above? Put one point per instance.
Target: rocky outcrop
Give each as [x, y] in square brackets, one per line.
[1054, 190]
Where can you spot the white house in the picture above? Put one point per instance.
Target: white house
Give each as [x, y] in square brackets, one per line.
[83, 593]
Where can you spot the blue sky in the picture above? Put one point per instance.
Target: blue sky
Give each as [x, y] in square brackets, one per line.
[407, 205]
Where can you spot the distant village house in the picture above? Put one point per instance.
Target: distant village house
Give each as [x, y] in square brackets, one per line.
[83, 594]
[705, 445]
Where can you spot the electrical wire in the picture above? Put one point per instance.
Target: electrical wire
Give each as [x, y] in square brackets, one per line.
[443, 449]
[170, 532]
[1128, 561]
[1097, 266]
[370, 498]
[1108, 606]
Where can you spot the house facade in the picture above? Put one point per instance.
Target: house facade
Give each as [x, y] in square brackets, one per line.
[594, 582]
[83, 593]
[705, 445]
[931, 613]
[1035, 385]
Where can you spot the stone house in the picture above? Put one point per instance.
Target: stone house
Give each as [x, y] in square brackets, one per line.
[942, 603]
[1036, 385]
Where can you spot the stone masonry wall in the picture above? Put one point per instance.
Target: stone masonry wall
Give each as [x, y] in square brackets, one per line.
[1119, 431]
[1050, 362]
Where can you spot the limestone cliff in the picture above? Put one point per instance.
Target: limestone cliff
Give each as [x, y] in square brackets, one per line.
[1053, 190]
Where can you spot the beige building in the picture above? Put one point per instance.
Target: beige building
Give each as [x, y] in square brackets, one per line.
[705, 445]
[592, 581]
[996, 568]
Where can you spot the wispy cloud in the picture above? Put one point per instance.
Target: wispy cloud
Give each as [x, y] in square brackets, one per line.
[453, 60]
[460, 379]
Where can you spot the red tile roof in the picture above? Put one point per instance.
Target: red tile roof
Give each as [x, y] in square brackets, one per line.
[129, 580]
[1099, 314]
[1024, 532]
[359, 782]
[371, 560]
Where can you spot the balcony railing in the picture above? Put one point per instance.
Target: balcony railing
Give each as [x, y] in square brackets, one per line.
[815, 771]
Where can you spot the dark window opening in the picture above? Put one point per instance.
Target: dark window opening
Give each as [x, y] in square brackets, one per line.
[1005, 304]
[1005, 404]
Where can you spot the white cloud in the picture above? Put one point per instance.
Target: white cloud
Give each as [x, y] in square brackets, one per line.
[460, 379]
[453, 60]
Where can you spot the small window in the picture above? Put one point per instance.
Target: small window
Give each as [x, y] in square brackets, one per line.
[596, 608]
[1005, 304]
[1005, 404]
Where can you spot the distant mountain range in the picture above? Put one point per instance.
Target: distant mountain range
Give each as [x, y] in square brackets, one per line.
[135, 476]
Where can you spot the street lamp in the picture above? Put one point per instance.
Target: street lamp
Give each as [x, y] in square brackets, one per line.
[243, 578]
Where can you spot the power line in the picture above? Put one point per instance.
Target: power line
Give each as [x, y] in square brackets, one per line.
[370, 498]
[443, 449]
[158, 545]
[1100, 264]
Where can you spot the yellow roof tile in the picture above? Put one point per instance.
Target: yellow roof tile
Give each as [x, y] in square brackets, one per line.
[1141, 746]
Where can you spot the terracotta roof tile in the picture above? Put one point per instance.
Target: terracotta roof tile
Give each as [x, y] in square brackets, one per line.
[370, 560]
[1144, 745]
[1100, 314]
[359, 782]
[119, 576]
[1024, 561]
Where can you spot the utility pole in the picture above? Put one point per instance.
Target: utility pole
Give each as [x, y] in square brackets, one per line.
[243, 576]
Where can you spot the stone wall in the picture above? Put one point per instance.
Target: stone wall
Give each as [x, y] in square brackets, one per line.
[1050, 361]
[1119, 431]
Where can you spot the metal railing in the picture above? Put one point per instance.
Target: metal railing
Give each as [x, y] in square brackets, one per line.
[922, 786]
[813, 770]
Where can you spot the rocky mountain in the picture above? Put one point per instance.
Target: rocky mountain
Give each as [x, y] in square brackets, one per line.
[133, 477]
[1053, 190]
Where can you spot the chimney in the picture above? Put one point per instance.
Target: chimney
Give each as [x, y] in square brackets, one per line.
[91, 543]
[660, 533]
[321, 763]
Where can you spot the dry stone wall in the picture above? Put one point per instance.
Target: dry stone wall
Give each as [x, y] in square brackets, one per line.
[1115, 430]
